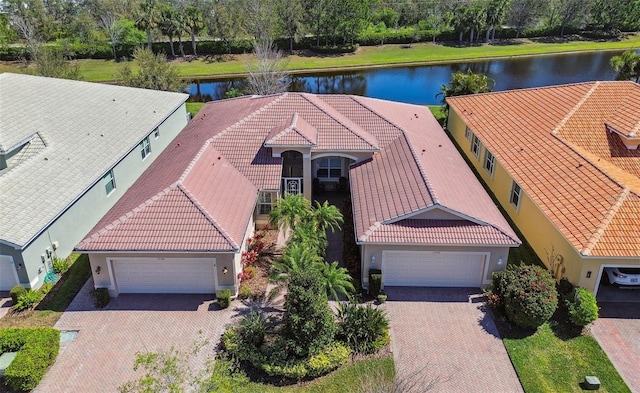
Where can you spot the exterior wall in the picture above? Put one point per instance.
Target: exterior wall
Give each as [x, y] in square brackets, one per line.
[436, 214]
[540, 233]
[70, 227]
[103, 279]
[375, 250]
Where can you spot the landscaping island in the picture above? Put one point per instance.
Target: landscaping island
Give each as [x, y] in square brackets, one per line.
[388, 55]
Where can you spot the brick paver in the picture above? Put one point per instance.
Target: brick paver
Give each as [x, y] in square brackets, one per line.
[5, 303]
[445, 335]
[101, 356]
[618, 333]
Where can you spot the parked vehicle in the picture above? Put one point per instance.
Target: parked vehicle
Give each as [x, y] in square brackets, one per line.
[623, 276]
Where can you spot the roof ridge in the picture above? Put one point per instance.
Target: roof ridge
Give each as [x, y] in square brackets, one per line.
[375, 144]
[423, 173]
[292, 127]
[126, 216]
[575, 108]
[376, 225]
[207, 215]
[194, 161]
[604, 224]
[250, 116]
[500, 92]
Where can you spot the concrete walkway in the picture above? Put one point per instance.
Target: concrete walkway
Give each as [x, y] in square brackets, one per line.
[443, 340]
[100, 358]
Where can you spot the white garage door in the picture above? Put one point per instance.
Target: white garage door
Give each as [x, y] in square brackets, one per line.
[168, 275]
[7, 273]
[432, 269]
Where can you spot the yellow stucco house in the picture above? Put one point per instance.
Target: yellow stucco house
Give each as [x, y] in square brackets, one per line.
[564, 163]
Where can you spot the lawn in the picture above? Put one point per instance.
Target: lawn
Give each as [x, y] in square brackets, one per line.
[555, 360]
[194, 107]
[374, 373]
[47, 313]
[371, 56]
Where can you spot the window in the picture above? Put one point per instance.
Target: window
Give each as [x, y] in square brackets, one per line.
[264, 203]
[489, 161]
[467, 133]
[475, 145]
[145, 148]
[109, 182]
[156, 133]
[329, 167]
[516, 194]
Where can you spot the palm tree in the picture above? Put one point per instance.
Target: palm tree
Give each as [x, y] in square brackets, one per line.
[327, 216]
[169, 24]
[627, 65]
[306, 232]
[295, 257]
[195, 23]
[464, 83]
[148, 19]
[336, 280]
[289, 211]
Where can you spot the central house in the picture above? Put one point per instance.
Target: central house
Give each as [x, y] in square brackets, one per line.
[419, 212]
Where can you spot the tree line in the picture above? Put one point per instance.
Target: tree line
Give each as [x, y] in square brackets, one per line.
[94, 23]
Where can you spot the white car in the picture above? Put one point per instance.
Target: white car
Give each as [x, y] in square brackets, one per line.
[623, 276]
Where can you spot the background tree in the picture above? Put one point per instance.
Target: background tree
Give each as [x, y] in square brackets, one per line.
[495, 14]
[523, 13]
[169, 24]
[291, 19]
[465, 83]
[194, 20]
[225, 21]
[267, 71]
[107, 13]
[260, 19]
[148, 17]
[613, 15]
[52, 63]
[154, 72]
[570, 12]
[627, 65]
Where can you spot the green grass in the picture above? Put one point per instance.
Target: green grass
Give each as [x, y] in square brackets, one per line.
[376, 371]
[53, 305]
[194, 107]
[552, 361]
[371, 56]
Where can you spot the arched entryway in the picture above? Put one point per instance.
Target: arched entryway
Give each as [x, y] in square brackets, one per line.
[292, 172]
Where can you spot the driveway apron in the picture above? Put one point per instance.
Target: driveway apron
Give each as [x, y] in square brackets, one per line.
[101, 356]
[444, 340]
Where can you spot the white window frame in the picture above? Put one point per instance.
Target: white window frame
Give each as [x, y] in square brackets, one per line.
[489, 162]
[156, 133]
[467, 133]
[109, 181]
[328, 168]
[145, 148]
[515, 195]
[265, 204]
[476, 145]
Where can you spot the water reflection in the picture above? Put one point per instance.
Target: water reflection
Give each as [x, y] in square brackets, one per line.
[420, 85]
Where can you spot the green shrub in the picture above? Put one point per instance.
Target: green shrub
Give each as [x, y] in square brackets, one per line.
[309, 323]
[16, 292]
[101, 297]
[245, 292]
[583, 307]
[28, 300]
[253, 328]
[530, 296]
[363, 328]
[375, 282]
[60, 266]
[39, 350]
[327, 360]
[46, 288]
[565, 288]
[224, 298]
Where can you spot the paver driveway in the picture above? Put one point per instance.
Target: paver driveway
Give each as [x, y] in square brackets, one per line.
[618, 333]
[101, 356]
[445, 334]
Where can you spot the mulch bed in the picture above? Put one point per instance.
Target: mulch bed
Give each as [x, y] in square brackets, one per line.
[258, 284]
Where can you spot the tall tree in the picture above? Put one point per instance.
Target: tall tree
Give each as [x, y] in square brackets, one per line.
[107, 12]
[570, 12]
[627, 65]
[496, 13]
[291, 19]
[613, 15]
[148, 17]
[523, 13]
[225, 21]
[355, 16]
[169, 24]
[194, 20]
[260, 19]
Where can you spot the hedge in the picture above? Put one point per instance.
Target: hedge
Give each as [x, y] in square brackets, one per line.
[37, 349]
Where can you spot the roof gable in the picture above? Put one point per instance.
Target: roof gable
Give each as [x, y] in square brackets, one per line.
[294, 131]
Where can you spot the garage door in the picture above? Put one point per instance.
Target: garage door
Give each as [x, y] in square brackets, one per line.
[7, 273]
[432, 269]
[168, 275]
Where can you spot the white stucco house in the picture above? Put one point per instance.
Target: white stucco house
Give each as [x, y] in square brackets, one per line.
[420, 214]
[68, 151]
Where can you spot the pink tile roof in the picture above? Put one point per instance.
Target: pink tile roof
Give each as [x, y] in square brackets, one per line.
[199, 194]
[554, 143]
[293, 131]
[419, 170]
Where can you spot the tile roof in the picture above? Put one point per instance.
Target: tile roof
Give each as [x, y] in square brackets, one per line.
[231, 134]
[79, 130]
[421, 169]
[554, 143]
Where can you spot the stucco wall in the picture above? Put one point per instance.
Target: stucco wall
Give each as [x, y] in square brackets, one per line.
[80, 217]
[540, 233]
[370, 250]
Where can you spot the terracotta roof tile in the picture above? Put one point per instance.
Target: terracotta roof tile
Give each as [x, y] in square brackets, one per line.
[554, 143]
[293, 131]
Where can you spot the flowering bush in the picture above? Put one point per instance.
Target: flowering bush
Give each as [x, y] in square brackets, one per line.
[247, 273]
[249, 258]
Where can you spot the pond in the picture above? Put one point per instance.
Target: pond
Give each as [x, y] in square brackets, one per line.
[421, 84]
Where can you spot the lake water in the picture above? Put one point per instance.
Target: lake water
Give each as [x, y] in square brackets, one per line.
[419, 85]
